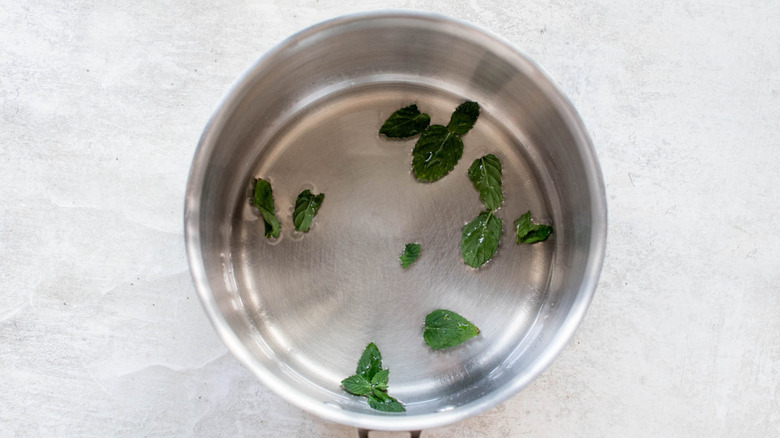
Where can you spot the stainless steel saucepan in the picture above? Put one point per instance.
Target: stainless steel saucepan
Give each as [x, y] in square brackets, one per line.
[299, 310]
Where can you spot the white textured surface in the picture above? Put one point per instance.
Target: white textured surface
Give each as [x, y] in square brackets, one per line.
[102, 104]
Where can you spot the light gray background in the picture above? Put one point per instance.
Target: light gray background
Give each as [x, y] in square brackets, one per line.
[101, 107]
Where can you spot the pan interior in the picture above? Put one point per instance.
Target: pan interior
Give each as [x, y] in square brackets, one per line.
[315, 300]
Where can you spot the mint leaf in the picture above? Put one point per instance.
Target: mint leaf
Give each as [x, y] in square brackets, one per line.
[541, 233]
[405, 122]
[263, 199]
[445, 328]
[380, 379]
[523, 226]
[436, 153]
[370, 380]
[380, 401]
[528, 232]
[306, 206]
[357, 385]
[370, 362]
[485, 174]
[410, 254]
[464, 118]
[479, 239]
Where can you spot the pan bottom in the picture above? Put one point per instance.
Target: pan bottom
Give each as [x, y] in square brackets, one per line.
[316, 299]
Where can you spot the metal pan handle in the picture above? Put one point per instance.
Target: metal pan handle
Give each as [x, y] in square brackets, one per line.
[363, 433]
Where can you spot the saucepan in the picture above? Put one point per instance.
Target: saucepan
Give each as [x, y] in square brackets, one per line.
[299, 309]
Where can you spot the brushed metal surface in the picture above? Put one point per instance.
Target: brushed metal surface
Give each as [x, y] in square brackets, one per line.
[298, 310]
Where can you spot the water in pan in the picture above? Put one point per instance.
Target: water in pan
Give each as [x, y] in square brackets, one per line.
[318, 299]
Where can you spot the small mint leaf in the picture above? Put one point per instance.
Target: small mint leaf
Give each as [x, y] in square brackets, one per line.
[405, 122]
[523, 226]
[436, 153]
[485, 174]
[306, 207]
[464, 118]
[479, 239]
[371, 381]
[538, 234]
[410, 254]
[380, 379]
[370, 362]
[445, 328]
[357, 385]
[263, 199]
[529, 232]
[381, 401]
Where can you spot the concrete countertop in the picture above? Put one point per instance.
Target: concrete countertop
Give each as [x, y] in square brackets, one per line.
[102, 105]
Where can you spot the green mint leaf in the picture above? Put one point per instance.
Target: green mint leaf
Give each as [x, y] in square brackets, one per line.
[541, 233]
[464, 118]
[485, 174]
[370, 362]
[357, 385]
[380, 379]
[436, 153]
[523, 226]
[445, 328]
[479, 239]
[263, 199]
[306, 206]
[381, 401]
[405, 122]
[410, 254]
[528, 232]
[370, 380]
